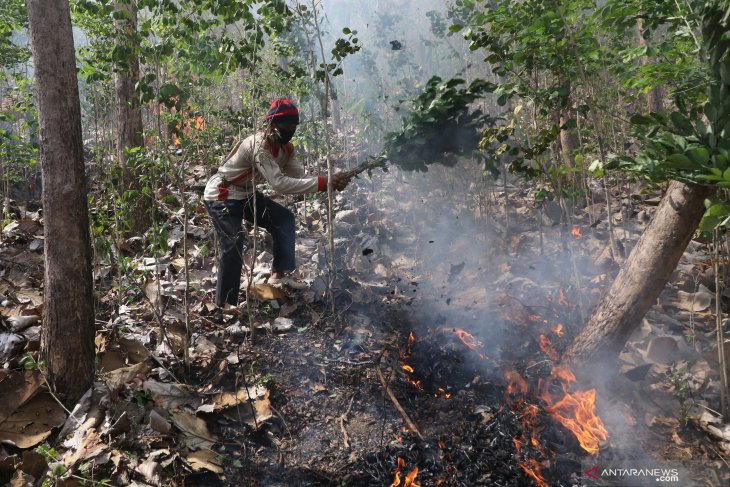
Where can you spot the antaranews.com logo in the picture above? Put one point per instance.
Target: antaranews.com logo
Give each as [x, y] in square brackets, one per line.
[633, 475]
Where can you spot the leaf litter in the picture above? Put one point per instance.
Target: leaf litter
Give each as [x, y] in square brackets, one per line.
[309, 391]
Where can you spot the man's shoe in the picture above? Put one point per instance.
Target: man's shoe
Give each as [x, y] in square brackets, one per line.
[289, 282]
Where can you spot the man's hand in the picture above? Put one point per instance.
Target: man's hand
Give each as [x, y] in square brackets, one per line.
[340, 181]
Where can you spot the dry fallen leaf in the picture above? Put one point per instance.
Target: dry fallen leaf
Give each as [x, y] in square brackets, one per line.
[699, 301]
[116, 379]
[16, 389]
[90, 447]
[177, 335]
[195, 429]
[265, 292]
[20, 323]
[11, 345]
[169, 396]
[204, 460]
[32, 422]
[158, 423]
[136, 351]
[243, 405]
[110, 360]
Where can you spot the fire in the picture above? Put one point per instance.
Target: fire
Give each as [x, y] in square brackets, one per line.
[409, 479]
[576, 411]
[516, 385]
[411, 340]
[547, 347]
[468, 339]
[558, 330]
[405, 356]
[562, 299]
[442, 393]
[531, 467]
[575, 231]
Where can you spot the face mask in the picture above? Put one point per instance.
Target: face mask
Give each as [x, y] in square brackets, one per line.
[283, 136]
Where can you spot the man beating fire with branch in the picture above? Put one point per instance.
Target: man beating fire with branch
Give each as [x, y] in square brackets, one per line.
[230, 196]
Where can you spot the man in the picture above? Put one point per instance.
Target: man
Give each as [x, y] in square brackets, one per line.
[230, 197]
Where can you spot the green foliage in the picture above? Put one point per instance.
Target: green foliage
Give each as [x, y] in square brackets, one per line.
[672, 44]
[13, 18]
[28, 362]
[678, 377]
[693, 144]
[343, 48]
[442, 126]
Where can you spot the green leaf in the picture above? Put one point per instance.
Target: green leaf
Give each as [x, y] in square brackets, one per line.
[681, 123]
[700, 155]
[455, 28]
[709, 223]
[680, 161]
[718, 210]
[642, 120]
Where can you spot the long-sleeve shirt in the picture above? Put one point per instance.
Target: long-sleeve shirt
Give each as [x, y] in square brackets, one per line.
[254, 161]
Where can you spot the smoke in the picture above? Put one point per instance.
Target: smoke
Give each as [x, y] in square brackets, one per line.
[463, 253]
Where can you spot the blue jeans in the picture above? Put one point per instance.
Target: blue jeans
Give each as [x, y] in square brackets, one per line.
[227, 219]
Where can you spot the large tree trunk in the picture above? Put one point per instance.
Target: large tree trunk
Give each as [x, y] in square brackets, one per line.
[67, 340]
[129, 118]
[641, 279]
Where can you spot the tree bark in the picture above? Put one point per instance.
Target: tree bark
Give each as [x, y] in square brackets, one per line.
[641, 279]
[129, 118]
[568, 140]
[568, 137]
[655, 96]
[67, 339]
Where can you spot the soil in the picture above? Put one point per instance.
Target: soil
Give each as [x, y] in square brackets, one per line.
[452, 303]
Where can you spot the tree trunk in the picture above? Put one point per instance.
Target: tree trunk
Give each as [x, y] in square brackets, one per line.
[568, 137]
[67, 340]
[655, 96]
[568, 140]
[641, 279]
[129, 118]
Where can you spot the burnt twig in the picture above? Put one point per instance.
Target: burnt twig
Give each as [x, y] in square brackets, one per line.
[342, 419]
[397, 405]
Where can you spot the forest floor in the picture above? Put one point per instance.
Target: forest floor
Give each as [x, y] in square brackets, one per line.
[439, 365]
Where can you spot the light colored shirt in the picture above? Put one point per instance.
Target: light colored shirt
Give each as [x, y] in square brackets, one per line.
[254, 161]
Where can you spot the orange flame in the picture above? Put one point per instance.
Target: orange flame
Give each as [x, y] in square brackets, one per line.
[575, 231]
[577, 412]
[532, 467]
[442, 393]
[410, 477]
[547, 347]
[534, 470]
[468, 339]
[558, 330]
[562, 299]
[516, 385]
[408, 368]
